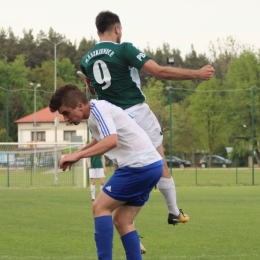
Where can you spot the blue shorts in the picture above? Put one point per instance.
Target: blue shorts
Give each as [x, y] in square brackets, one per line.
[133, 185]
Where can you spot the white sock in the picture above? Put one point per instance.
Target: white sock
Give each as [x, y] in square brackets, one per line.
[167, 188]
[93, 191]
[101, 187]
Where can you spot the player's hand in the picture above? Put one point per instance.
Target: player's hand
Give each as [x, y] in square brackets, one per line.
[67, 161]
[206, 72]
[65, 165]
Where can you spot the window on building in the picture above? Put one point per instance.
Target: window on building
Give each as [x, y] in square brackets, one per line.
[40, 136]
[68, 135]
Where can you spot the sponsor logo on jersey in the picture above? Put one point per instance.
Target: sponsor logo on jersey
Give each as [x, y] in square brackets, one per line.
[140, 56]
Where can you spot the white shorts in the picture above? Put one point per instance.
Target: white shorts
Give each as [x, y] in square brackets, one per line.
[96, 173]
[146, 119]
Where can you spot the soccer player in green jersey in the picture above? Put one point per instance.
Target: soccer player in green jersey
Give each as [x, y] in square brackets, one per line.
[112, 69]
[97, 170]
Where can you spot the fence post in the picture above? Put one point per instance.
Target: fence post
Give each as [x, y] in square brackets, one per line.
[253, 134]
[196, 175]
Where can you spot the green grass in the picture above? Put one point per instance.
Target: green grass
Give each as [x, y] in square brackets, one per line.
[57, 223]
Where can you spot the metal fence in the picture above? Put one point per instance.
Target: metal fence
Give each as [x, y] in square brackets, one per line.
[26, 165]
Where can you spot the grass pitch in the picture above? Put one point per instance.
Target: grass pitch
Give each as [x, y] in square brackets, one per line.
[57, 223]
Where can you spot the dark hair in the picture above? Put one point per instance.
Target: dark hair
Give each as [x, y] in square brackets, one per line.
[68, 95]
[106, 20]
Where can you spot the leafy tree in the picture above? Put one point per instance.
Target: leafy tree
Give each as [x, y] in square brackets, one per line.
[2, 134]
[84, 47]
[161, 54]
[194, 60]
[223, 54]
[207, 119]
[12, 44]
[208, 116]
[17, 111]
[182, 89]
[67, 50]
[13, 78]
[29, 48]
[66, 71]
[244, 74]
[48, 43]
[45, 76]
[3, 44]
[184, 134]
[240, 153]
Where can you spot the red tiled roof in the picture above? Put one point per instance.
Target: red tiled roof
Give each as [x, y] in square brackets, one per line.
[43, 115]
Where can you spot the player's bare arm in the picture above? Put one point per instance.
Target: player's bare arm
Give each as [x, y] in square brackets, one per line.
[101, 147]
[172, 73]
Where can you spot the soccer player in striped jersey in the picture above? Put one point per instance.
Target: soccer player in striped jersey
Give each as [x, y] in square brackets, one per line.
[140, 166]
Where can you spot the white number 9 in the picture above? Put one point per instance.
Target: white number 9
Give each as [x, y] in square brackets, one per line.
[101, 74]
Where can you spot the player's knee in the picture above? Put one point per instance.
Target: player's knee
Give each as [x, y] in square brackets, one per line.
[166, 173]
[118, 222]
[96, 208]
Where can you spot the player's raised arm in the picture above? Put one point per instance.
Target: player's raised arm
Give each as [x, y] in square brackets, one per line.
[172, 73]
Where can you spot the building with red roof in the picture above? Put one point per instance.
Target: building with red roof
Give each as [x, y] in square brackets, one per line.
[45, 128]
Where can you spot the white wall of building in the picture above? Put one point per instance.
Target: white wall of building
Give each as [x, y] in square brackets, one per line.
[25, 131]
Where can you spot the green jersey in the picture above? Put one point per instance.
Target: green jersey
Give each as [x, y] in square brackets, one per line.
[96, 162]
[113, 71]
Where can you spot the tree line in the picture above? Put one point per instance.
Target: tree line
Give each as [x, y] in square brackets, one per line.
[206, 116]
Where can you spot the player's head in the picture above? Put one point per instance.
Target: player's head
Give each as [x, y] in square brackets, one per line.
[69, 101]
[106, 22]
